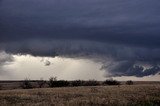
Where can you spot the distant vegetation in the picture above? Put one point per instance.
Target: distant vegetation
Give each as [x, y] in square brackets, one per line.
[111, 82]
[0, 87]
[53, 82]
[77, 83]
[129, 82]
[41, 83]
[26, 84]
[91, 83]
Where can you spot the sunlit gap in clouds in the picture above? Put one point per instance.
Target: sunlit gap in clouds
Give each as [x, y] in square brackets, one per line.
[27, 66]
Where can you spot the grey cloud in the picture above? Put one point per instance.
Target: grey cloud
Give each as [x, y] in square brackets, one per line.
[117, 68]
[77, 48]
[128, 68]
[121, 58]
[47, 63]
[134, 23]
[139, 71]
[5, 59]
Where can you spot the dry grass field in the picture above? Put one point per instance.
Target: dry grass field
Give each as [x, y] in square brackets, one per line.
[138, 94]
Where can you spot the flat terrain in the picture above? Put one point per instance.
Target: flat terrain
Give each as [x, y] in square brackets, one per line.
[138, 94]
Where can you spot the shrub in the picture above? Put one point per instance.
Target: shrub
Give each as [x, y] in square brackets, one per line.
[41, 83]
[111, 82]
[0, 87]
[51, 81]
[129, 82]
[26, 84]
[91, 83]
[54, 83]
[77, 83]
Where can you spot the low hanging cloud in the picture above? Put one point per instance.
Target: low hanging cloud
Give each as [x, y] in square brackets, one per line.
[119, 34]
[129, 68]
[117, 60]
[46, 62]
[5, 59]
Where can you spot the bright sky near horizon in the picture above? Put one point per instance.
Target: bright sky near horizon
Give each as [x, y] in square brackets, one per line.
[27, 66]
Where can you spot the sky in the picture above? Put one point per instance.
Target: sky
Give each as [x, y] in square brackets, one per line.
[80, 39]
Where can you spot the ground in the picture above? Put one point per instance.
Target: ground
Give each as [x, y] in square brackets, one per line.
[139, 94]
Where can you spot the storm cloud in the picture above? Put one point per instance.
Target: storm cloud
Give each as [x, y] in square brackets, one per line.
[119, 33]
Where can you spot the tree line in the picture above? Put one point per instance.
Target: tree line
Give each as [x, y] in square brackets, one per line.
[53, 82]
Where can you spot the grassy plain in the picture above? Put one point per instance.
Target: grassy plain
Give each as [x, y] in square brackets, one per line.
[137, 94]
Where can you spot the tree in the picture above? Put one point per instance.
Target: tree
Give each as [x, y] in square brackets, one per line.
[129, 82]
[26, 84]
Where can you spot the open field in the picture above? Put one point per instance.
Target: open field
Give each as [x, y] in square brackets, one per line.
[138, 94]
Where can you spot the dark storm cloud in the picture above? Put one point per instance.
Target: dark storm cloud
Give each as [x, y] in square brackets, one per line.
[119, 21]
[128, 68]
[125, 31]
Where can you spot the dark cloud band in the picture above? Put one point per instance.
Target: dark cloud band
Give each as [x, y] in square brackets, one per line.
[126, 22]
